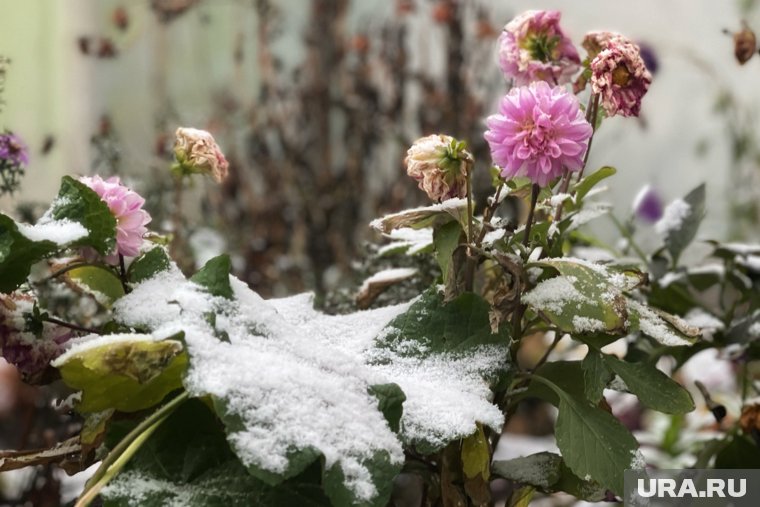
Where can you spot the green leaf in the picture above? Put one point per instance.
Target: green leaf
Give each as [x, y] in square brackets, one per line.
[127, 372]
[678, 238]
[521, 497]
[593, 442]
[547, 472]
[148, 265]
[99, 281]
[583, 299]
[446, 240]
[740, 452]
[390, 400]
[596, 375]
[79, 203]
[655, 389]
[459, 325]
[566, 374]
[17, 254]
[586, 184]
[476, 455]
[188, 461]
[215, 276]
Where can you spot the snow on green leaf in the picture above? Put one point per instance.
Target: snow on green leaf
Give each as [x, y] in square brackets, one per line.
[293, 384]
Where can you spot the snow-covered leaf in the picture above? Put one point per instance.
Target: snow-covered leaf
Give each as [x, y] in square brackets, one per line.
[187, 462]
[428, 216]
[584, 298]
[680, 221]
[293, 385]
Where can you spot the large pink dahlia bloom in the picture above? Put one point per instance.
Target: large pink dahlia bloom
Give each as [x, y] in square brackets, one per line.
[618, 73]
[126, 206]
[533, 47]
[539, 132]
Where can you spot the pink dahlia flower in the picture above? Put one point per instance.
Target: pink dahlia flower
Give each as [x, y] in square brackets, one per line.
[539, 132]
[533, 47]
[618, 73]
[126, 206]
[439, 164]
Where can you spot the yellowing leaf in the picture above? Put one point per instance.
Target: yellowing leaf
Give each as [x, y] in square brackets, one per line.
[123, 372]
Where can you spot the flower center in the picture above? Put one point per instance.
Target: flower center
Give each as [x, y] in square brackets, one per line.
[621, 76]
[541, 46]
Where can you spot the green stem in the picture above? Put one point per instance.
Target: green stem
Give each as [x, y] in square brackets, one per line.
[533, 200]
[591, 110]
[118, 464]
[471, 261]
[626, 233]
[125, 447]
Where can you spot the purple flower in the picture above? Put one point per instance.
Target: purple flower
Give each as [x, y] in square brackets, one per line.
[649, 55]
[126, 206]
[539, 132]
[30, 352]
[13, 150]
[618, 73]
[439, 164]
[533, 47]
[647, 205]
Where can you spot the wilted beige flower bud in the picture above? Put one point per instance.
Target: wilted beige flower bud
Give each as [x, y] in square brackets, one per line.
[197, 153]
[439, 164]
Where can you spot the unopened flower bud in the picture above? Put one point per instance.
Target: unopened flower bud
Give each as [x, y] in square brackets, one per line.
[439, 164]
[197, 153]
[745, 44]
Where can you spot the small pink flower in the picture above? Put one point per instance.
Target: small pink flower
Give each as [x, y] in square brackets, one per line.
[533, 47]
[539, 132]
[126, 206]
[197, 152]
[618, 73]
[439, 164]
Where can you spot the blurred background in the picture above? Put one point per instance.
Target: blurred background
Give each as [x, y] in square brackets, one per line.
[315, 102]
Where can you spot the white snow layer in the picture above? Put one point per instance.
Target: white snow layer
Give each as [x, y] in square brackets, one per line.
[60, 232]
[298, 378]
[673, 216]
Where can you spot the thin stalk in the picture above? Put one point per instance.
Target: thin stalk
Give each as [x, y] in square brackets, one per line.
[533, 200]
[69, 325]
[591, 110]
[121, 448]
[471, 261]
[123, 274]
[87, 498]
[557, 338]
[627, 234]
[488, 214]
